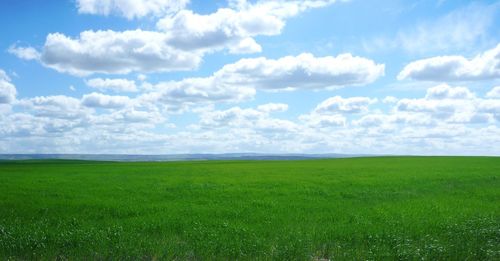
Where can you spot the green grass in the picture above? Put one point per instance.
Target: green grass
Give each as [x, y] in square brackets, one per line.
[432, 208]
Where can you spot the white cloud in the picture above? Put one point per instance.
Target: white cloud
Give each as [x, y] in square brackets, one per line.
[130, 8]
[238, 82]
[181, 43]
[330, 112]
[190, 31]
[116, 85]
[447, 120]
[494, 93]
[234, 116]
[248, 120]
[373, 120]
[129, 116]
[338, 104]
[59, 106]
[304, 71]
[7, 89]
[444, 91]
[196, 91]
[25, 53]
[318, 120]
[98, 100]
[25, 126]
[233, 27]
[245, 46]
[455, 68]
[452, 105]
[115, 53]
[389, 121]
[490, 106]
[390, 99]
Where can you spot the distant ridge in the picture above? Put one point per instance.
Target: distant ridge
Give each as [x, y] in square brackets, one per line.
[176, 157]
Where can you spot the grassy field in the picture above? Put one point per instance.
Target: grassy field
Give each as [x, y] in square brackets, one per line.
[432, 208]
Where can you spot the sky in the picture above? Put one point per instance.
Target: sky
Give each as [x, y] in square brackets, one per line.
[264, 76]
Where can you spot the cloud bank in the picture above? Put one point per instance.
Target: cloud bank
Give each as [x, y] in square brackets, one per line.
[455, 68]
[7, 89]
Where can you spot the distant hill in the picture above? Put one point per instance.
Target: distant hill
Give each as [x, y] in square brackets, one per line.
[175, 157]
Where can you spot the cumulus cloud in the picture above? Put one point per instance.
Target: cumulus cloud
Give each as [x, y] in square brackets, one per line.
[490, 106]
[317, 120]
[58, 106]
[372, 120]
[330, 112]
[238, 82]
[178, 95]
[446, 120]
[447, 107]
[59, 120]
[7, 89]
[451, 104]
[455, 68]
[390, 99]
[25, 53]
[128, 116]
[257, 120]
[338, 104]
[191, 31]
[442, 105]
[245, 46]
[116, 85]
[234, 116]
[98, 100]
[233, 27]
[304, 71]
[494, 93]
[444, 91]
[115, 52]
[130, 8]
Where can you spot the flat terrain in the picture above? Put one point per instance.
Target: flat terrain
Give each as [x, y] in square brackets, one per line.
[432, 208]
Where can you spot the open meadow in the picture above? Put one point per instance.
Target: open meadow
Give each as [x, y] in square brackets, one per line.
[432, 208]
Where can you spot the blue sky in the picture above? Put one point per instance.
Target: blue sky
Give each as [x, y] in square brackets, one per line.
[312, 76]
